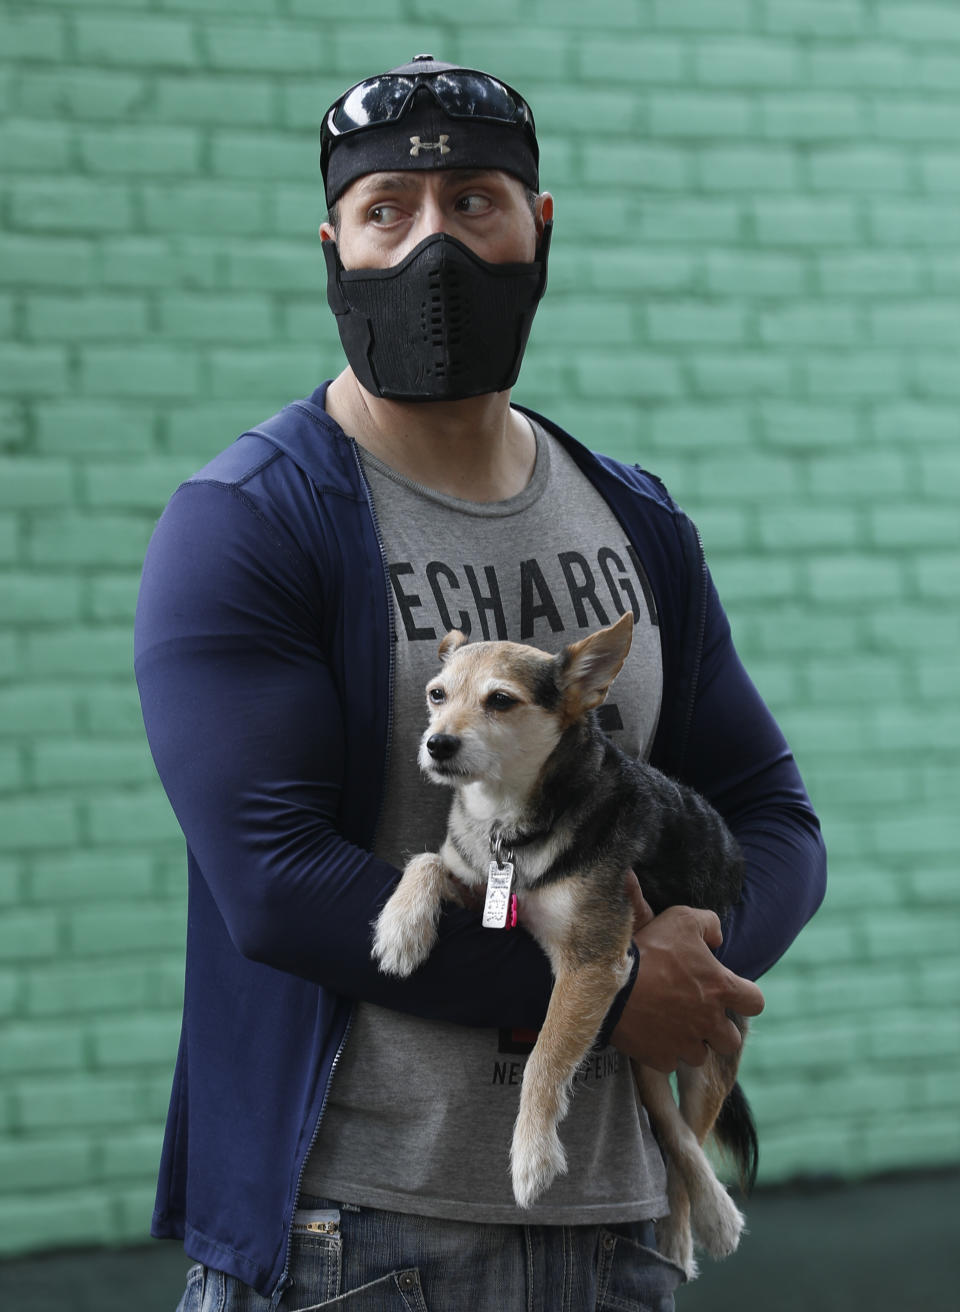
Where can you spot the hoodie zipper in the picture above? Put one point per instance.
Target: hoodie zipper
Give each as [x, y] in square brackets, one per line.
[391, 628]
[698, 650]
[284, 1281]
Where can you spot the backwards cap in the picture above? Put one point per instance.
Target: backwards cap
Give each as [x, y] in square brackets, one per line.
[427, 115]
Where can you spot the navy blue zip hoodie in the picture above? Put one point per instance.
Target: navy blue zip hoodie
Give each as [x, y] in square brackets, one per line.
[264, 658]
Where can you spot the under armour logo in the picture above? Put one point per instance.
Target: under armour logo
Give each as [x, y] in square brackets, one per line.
[416, 145]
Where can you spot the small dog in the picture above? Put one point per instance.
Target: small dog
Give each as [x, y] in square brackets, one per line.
[545, 801]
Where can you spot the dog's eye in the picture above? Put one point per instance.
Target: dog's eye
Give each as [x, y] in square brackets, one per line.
[500, 701]
[436, 696]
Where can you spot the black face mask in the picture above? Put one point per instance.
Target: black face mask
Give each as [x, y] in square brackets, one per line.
[441, 325]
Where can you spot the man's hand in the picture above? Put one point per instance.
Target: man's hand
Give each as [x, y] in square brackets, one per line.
[677, 1008]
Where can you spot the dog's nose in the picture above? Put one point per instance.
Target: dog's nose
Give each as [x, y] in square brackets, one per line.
[442, 746]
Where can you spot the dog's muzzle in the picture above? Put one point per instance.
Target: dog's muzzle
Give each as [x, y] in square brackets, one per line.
[442, 746]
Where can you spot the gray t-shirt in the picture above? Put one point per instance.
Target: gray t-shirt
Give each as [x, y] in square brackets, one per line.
[420, 1114]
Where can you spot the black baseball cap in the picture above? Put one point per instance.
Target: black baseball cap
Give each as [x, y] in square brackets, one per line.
[427, 115]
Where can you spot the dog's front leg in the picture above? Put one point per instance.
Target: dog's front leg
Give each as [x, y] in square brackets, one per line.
[406, 928]
[581, 998]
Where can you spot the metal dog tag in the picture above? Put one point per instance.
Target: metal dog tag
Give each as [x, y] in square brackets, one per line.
[497, 907]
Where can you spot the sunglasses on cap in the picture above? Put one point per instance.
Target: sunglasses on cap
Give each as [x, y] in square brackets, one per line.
[460, 93]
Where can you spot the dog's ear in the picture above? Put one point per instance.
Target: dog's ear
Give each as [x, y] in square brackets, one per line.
[588, 667]
[450, 643]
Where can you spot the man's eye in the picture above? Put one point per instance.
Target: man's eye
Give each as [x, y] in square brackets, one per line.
[383, 214]
[436, 696]
[473, 204]
[500, 701]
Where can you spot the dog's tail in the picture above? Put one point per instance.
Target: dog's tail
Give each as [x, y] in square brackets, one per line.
[736, 1132]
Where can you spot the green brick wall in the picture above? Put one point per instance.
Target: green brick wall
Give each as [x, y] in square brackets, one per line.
[755, 291]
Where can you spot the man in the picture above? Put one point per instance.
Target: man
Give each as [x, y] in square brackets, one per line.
[333, 1131]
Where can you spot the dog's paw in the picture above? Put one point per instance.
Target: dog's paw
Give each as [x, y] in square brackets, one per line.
[401, 942]
[675, 1243]
[717, 1223]
[536, 1159]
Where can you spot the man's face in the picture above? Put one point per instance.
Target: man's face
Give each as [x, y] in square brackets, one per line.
[383, 216]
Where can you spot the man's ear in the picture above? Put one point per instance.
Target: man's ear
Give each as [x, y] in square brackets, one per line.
[326, 232]
[542, 212]
[588, 667]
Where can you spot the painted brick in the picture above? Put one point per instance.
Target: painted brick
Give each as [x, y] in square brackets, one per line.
[71, 205]
[85, 539]
[852, 578]
[37, 598]
[230, 101]
[859, 169]
[637, 165]
[744, 373]
[26, 369]
[278, 374]
[749, 168]
[915, 525]
[30, 823]
[145, 41]
[80, 653]
[869, 273]
[53, 1162]
[145, 485]
[66, 1219]
[261, 156]
[938, 576]
[85, 1101]
[85, 763]
[802, 116]
[33, 36]
[80, 94]
[11, 779]
[271, 47]
[90, 875]
[9, 539]
[131, 1154]
[706, 114]
[135, 150]
[137, 1041]
[874, 65]
[692, 16]
[86, 317]
[820, 528]
[631, 60]
[221, 318]
[113, 710]
[94, 427]
[118, 929]
[114, 599]
[87, 988]
[34, 147]
[140, 370]
[275, 266]
[27, 935]
[40, 1049]
[205, 206]
[674, 322]
[821, 18]
[140, 817]
[747, 63]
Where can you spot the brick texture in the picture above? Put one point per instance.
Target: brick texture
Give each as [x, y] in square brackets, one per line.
[754, 292]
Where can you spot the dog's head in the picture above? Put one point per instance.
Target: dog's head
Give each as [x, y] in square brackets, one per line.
[498, 709]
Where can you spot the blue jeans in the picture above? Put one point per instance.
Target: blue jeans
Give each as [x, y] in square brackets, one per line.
[364, 1260]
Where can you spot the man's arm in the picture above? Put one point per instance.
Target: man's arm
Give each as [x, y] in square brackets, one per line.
[246, 728]
[690, 969]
